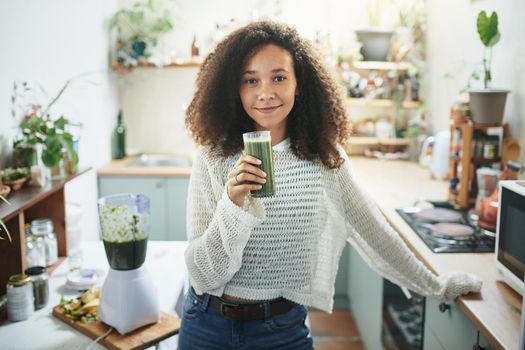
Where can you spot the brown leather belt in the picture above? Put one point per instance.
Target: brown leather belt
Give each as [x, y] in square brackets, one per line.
[248, 311]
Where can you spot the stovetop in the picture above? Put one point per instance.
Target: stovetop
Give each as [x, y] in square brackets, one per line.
[478, 242]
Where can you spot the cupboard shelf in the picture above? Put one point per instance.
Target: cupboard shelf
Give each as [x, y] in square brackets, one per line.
[366, 140]
[380, 65]
[176, 63]
[27, 204]
[380, 103]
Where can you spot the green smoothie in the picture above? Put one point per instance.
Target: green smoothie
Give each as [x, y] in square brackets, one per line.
[262, 149]
[126, 255]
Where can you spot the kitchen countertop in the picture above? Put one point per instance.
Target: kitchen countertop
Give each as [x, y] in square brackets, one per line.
[396, 184]
[120, 168]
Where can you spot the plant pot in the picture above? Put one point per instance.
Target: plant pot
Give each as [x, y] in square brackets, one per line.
[376, 43]
[487, 105]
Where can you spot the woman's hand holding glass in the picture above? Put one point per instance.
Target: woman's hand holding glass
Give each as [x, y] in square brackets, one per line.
[245, 176]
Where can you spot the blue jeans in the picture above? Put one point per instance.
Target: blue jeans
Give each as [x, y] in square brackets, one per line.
[204, 328]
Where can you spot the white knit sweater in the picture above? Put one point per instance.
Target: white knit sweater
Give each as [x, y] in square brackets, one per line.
[289, 245]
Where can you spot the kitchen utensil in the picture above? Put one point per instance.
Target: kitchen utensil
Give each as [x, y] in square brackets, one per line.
[510, 152]
[425, 156]
[128, 298]
[488, 208]
[487, 183]
[438, 215]
[452, 230]
[440, 155]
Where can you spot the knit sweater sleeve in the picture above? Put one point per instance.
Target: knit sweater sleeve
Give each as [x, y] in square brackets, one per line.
[217, 228]
[384, 250]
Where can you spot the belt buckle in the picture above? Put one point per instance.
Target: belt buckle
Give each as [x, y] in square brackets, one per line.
[225, 306]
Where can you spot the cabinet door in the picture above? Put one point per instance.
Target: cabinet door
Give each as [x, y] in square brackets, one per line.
[451, 329]
[365, 288]
[177, 195]
[152, 187]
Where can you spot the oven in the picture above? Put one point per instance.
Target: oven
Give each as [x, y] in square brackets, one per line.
[403, 318]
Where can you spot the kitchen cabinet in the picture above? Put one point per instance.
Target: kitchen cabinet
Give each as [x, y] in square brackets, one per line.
[27, 204]
[177, 195]
[449, 329]
[365, 290]
[167, 201]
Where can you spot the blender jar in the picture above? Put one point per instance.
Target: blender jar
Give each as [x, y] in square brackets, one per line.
[124, 226]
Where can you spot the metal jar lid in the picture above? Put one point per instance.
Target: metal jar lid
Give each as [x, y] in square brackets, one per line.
[35, 270]
[18, 280]
[42, 226]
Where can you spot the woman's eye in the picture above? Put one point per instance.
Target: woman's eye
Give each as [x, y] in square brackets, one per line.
[250, 81]
[280, 78]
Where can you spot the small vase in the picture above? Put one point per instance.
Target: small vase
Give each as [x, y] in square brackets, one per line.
[58, 171]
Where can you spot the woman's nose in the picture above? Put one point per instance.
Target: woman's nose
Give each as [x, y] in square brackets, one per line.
[266, 92]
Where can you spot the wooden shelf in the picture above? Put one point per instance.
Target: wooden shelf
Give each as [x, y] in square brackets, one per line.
[177, 63]
[466, 195]
[27, 204]
[380, 65]
[380, 103]
[366, 140]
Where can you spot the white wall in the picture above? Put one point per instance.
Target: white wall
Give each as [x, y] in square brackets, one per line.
[453, 42]
[50, 42]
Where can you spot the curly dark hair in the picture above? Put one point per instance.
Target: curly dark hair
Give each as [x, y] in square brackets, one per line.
[316, 123]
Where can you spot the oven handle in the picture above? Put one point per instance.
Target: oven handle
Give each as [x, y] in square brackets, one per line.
[416, 300]
[406, 292]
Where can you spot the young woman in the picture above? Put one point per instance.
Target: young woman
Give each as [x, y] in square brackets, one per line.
[256, 263]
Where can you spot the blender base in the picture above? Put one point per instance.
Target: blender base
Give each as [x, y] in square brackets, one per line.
[128, 300]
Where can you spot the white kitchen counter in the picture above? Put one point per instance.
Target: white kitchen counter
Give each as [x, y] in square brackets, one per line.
[165, 263]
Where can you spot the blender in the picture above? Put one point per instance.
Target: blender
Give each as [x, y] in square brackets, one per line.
[128, 298]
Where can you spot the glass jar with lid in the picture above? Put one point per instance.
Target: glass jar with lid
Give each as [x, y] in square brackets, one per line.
[35, 251]
[19, 292]
[45, 229]
[39, 278]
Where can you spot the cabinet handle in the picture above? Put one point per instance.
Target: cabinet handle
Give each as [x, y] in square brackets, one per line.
[159, 184]
[444, 307]
[477, 346]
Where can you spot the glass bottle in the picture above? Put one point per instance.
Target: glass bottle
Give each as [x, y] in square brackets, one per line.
[39, 278]
[19, 292]
[45, 229]
[35, 251]
[119, 151]
[194, 47]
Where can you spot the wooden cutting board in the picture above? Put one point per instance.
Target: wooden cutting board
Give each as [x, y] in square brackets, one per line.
[141, 338]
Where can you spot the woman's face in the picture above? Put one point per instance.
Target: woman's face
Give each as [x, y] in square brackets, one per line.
[267, 89]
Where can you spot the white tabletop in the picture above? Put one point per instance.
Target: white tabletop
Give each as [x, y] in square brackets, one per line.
[164, 262]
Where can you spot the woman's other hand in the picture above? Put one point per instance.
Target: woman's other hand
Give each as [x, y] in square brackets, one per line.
[245, 176]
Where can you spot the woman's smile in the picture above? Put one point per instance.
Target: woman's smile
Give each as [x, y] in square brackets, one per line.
[267, 110]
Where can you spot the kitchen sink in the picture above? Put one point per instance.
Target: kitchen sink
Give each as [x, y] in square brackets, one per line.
[158, 160]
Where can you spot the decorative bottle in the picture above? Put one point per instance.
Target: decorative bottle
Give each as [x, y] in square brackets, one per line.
[119, 138]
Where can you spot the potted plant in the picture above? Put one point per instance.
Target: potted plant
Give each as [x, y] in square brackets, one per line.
[139, 30]
[487, 104]
[40, 133]
[15, 177]
[375, 39]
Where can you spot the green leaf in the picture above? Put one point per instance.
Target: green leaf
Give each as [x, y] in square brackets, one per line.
[51, 152]
[2, 225]
[488, 28]
[60, 123]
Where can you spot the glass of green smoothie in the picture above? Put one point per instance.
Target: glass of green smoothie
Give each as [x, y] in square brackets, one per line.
[259, 145]
[124, 226]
